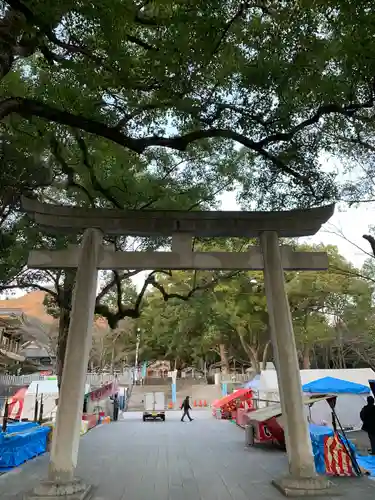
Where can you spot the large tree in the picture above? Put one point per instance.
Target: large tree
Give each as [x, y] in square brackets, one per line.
[277, 78]
[91, 173]
[166, 103]
[332, 315]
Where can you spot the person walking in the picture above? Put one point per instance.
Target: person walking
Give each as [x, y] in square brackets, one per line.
[367, 416]
[186, 407]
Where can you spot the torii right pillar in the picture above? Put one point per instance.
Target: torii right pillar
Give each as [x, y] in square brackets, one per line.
[302, 479]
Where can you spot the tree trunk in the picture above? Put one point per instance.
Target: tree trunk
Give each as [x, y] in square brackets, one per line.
[113, 352]
[251, 351]
[306, 363]
[64, 322]
[265, 355]
[224, 358]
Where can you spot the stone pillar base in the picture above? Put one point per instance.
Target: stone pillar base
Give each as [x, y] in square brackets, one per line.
[72, 490]
[300, 487]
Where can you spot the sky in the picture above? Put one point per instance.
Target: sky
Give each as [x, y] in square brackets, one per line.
[351, 223]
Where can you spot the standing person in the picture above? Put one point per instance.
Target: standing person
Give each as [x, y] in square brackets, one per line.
[115, 408]
[186, 407]
[367, 416]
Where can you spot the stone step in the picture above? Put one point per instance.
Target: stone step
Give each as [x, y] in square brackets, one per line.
[196, 392]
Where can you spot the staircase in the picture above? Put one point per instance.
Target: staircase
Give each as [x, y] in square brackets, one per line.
[197, 390]
[138, 393]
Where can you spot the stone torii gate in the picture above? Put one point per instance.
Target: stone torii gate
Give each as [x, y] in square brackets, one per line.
[92, 255]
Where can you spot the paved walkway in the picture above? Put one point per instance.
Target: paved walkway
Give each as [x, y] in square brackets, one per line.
[201, 460]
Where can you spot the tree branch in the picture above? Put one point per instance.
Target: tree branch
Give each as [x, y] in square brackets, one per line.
[30, 107]
[94, 180]
[371, 240]
[69, 171]
[114, 318]
[46, 30]
[107, 288]
[204, 286]
[23, 285]
[241, 10]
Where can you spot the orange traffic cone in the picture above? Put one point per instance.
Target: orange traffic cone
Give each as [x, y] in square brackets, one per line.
[204, 403]
[195, 402]
[170, 405]
[200, 403]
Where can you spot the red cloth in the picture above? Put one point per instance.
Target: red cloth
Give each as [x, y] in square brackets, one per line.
[230, 400]
[336, 457]
[17, 401]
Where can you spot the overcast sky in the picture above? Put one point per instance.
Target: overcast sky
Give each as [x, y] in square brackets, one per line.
[353, 223]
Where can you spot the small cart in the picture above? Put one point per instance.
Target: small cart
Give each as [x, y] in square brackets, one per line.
[154, 406]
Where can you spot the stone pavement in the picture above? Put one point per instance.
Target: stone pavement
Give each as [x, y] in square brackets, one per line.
[200, 460]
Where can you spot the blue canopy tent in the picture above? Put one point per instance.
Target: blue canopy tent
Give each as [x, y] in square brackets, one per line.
[351, 397]
[331, 385]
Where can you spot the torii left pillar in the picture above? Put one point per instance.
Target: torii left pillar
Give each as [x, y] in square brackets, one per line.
[62, 482]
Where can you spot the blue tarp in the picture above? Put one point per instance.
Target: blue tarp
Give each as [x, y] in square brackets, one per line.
[317, 434]
[15, 449]
[20, 426]
[331, 385]
[368, 463]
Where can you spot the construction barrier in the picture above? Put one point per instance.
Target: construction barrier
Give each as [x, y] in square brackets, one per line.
[91, 419]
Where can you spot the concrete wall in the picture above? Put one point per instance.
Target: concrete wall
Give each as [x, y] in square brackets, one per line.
[138, 393]
[205, 393]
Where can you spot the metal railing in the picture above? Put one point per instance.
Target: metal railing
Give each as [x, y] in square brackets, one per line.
[125, 378]
[91, 378]
[235, 377]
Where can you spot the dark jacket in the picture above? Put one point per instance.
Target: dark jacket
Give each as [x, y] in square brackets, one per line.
[185, 405]
[368, 418]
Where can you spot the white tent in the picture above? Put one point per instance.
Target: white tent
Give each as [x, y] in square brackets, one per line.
[50, 391]
[348, 406]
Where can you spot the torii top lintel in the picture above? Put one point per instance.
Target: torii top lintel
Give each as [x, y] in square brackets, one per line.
[60, 218]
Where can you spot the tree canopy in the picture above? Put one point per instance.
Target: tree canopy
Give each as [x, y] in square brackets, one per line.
[226, 324]
[273, 84]
[167, 104]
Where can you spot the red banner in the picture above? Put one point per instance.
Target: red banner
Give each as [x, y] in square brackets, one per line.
[103, 392]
